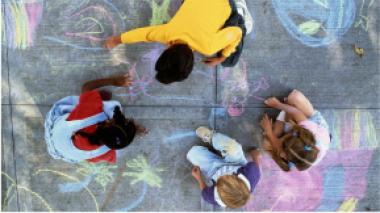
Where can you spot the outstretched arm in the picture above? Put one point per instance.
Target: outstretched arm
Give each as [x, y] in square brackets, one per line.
[117, 81]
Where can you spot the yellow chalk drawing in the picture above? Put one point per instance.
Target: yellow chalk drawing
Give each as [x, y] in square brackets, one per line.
[356, 130]
[348, 205]
[140, 170]
[160, 13]
[33, 193]
[72, 179]
[101, 171]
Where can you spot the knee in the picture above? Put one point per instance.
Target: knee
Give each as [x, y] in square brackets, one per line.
[294, 96]
[193, 153]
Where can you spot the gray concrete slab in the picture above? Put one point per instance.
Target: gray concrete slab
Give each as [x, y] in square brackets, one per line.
[4, 77]
[9, 197]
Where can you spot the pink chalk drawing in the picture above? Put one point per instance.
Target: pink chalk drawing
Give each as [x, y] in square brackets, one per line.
[340, 176]
[91, 23]
[236, 88]
[19, 22]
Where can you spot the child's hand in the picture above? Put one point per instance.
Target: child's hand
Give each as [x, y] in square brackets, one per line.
[272, 102]
[196, 172]
[123, 81]
[266, 123]
[112, 42]
[212, 62]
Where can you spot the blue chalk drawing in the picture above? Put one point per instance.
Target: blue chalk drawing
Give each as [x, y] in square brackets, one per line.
[179, 135]
[333, 186]
[218, 116]
[138, 201]
[75, 187]
[335, 17]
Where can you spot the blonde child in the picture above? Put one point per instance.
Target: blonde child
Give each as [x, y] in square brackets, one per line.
[233, 177]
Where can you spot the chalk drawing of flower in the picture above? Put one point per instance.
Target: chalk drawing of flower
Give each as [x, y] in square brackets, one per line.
[101, 171]
[140, 170]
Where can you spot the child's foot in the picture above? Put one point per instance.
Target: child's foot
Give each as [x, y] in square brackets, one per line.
[204, 133]
[244, 11]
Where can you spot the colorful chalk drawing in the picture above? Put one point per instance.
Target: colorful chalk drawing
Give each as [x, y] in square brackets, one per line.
[236, 88]
[316, 23]
[86, 26]
[138, 170]
[160, 13]
[337, 183]
[19, 22]
[364, 18]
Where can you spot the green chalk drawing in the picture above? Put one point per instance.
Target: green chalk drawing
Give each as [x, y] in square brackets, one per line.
[140, 170]
[310, 27]
[8, 199]
[160, 13]
[101, 171]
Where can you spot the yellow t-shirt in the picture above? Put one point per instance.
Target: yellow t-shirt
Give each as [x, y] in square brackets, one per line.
[198, 24]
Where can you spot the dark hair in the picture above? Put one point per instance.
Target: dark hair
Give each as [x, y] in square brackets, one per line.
[174, 64]
[300, 148]
[115, 135]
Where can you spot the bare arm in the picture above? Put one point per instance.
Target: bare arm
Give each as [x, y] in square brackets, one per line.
[118, 81]
[196, 173]
[295, 113]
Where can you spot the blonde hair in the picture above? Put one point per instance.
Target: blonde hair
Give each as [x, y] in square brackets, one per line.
[233, 191]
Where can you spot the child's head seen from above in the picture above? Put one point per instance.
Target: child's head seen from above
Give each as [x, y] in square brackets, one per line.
[175, 64]
[233, 191]
[299, 147]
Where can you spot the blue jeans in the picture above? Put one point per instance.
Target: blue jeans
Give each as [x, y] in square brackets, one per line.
[209, 162]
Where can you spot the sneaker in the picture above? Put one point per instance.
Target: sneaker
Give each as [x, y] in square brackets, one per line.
[204, 133]
[243, 11]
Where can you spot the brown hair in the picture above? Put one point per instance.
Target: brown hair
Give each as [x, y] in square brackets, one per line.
[299, 146]
[233, 191]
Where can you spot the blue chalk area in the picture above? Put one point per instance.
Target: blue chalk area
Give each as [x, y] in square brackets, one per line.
[337, 17]
[75, 187]
[65, 43]
[137, 202]
[179, 135]
[333, 187]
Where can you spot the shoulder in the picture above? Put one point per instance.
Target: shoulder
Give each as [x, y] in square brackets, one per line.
[208, 194]
[252, 172]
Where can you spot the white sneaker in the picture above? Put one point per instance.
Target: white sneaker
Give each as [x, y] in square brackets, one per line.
[204, 133]
[244, 11]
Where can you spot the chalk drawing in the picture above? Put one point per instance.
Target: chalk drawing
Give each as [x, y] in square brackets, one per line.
[101, 171]
[19, 22]
[15, 186]
[87, 26]
[138, 201]
[71, 178]
[352, 130]
[179, 136]
[363, 16]
[236, 88]
[140, 170]
[348, 205]
[160, 13]
[316, 23]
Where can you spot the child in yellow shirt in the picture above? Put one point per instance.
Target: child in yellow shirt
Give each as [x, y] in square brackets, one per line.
[208, 27]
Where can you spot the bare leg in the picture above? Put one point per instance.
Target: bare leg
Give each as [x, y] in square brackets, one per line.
[298, 100]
